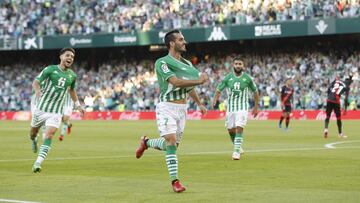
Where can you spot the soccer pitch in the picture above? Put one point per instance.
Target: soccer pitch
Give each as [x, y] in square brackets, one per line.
[97, 163]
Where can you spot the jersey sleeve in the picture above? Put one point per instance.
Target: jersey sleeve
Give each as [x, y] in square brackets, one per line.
[163, 70]
[252, 85]
[44, 74]
[222, 84]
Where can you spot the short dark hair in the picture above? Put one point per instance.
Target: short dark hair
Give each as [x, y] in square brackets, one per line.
[348, 80]
[67, 49]
[169, 37]
[236, 58]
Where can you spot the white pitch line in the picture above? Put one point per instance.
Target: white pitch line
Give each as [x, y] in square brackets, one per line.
[191, 153]
[331, 145]
[16, 201]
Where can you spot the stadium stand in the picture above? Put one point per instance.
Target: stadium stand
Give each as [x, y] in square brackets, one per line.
[119, 86]
[44, 17]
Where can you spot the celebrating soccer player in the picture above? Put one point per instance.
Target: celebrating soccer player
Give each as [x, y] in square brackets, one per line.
[177, 78]
[239, 83]
[57, 81]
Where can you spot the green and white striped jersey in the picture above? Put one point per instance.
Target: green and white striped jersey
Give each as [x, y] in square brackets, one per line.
[238, 91]
[68, 103]
[169, 66]
[55, 85]
[34, 99]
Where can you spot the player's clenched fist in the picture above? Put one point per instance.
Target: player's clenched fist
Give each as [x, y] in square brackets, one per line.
[204, 77]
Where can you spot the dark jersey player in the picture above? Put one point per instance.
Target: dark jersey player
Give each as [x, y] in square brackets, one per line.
[335, 90]
[287, 92]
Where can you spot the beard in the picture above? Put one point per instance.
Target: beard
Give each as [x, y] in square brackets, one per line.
[180, 49]
[238, 72]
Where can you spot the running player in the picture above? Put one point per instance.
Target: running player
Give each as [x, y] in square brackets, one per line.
[177, 78]
[58, 81]
[239, 84]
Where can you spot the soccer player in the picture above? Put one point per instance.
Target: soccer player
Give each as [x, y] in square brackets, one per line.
[287, 92]
[58, 81]
[335, 90]
[177, 78]
[239, 84]
[68, 109]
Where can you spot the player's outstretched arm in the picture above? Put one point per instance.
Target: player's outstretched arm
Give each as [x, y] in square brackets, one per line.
[216, 98]
[75, 99]
[177, 82]
[196, 98]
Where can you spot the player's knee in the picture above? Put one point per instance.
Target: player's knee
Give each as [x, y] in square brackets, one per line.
[50, 132]
[239, 129]
[65, 119]
[170, 139]
[232, 131]
[34, 131]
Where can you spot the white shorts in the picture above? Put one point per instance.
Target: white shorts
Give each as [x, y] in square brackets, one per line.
[236, 119]
[171, 118]
[68, 110]
[40, 118]
[33, 103]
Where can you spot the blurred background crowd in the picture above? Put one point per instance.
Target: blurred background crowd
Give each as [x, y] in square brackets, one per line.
[119, 85]
[45, 17]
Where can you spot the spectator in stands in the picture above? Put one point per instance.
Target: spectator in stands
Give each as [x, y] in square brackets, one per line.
[39, 18]
[132, 85]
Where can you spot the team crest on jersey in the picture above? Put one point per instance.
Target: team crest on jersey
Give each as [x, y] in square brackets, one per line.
[165, 68]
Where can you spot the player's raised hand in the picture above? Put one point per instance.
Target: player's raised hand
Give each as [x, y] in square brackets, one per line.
[203, 109]
[204, 77]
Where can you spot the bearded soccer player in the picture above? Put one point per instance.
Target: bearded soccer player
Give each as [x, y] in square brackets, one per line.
[335, 90]
[177, 78]
[239, 85]
[57, 81]
[287, 92]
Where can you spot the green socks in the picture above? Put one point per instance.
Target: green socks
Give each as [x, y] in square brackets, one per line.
[44, 150]
[172, 162]
[157, 144]
[232, 137]
[238, 142]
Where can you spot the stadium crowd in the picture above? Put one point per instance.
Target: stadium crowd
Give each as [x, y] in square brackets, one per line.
[120, 86]
[45, 17]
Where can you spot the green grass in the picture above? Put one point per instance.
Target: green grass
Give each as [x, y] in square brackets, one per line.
[97, 164]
